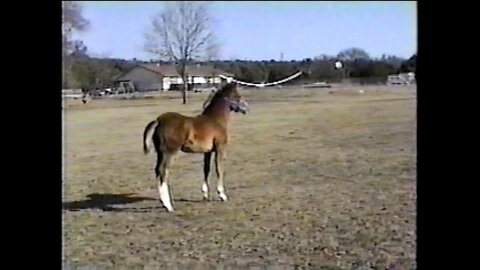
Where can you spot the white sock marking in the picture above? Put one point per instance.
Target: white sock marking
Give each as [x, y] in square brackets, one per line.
[221, 193]
[165, 196]
[205, 190]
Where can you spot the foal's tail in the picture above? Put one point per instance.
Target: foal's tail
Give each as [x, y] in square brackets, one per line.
[147, 136]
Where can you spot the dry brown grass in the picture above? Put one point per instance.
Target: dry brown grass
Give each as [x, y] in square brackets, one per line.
[314, 179]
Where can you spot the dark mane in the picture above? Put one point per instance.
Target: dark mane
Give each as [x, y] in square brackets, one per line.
[224, 91]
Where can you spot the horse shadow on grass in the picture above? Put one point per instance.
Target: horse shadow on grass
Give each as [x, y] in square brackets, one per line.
[105, 202]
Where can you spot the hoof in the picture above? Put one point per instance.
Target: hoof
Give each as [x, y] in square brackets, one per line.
[169, 209]
[223, 197]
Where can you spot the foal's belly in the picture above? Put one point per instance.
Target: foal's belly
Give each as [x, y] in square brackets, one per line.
[200, 136]
[196, 148]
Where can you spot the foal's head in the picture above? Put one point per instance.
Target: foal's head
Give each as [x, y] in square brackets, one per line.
[230, 95]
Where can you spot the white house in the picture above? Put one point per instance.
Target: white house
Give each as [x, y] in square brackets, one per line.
[153, 77]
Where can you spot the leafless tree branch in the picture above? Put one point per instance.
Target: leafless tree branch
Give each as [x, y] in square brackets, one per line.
[182, 31]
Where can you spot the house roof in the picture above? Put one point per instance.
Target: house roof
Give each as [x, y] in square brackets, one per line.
[192, 70]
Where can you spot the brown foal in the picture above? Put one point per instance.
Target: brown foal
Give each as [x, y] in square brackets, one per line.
[206, 133]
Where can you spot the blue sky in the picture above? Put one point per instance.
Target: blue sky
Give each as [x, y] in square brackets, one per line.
[265, 29]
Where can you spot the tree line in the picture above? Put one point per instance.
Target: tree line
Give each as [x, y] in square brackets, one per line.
[91, 72]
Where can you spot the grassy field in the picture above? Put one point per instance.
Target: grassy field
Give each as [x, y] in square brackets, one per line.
[315, 179]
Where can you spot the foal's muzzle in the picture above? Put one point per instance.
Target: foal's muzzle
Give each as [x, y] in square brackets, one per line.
[243, 107]
[239, 106]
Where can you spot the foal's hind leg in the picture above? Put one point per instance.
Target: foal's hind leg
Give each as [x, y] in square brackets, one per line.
[219, 157]
[206, 171]
[164, 162]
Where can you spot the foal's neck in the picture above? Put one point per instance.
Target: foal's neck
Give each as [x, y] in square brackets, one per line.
[219, 110]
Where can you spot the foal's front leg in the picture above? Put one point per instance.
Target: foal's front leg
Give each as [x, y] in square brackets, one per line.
[219, 157]
[206, 171]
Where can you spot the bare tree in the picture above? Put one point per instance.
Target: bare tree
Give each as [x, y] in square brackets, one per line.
[182, 32]
[72, 20]
[353, 54]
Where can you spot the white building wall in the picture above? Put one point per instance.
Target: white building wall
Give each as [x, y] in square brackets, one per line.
[167, 81]
[199, 80]
[166, 84]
